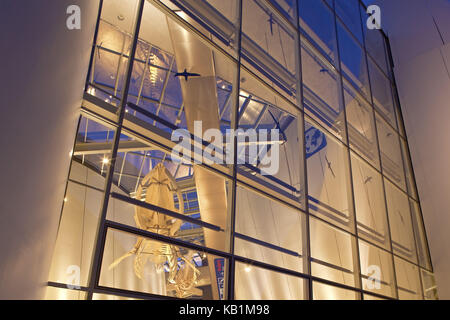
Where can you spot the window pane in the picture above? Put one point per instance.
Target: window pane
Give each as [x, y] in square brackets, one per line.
[152, 176]
[215, 20]
[160, 86]
[275, 286]
[382, 94]
[332, 253]
[361, 127]
[113, 47]
[327, 292]
[152, 183]
[328, 177]
[272, 232]
[82, 204]
[391, 153]
[370, 205]
[269, 47]
[376, 270]
[275, 162]
[317, 24]
[348, 11]
[400, 222]
[353, 61]
[375, 44]
[408, 280]
[287, 7]
[322, 91]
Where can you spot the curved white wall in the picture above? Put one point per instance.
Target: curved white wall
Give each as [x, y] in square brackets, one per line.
[44, 67]
[419, 32]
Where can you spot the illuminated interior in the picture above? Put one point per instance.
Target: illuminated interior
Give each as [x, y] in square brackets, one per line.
[340, 219]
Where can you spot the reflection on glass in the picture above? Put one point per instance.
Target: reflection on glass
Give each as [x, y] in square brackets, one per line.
[272, 161]
[376, 270]
[94, 144]
[328, 178]
[268, 46]
[408, 280]
[400, 222]
[272, 232]
[332, 253]
[348, 11]
[391, 153]
[353, 61]
[361, 127]
[276, 286]
[215, 20]
[317, 24]
[370, 205]
[321, 92]
[287, 8]
[375, 44]
[323, 291]
[382, 94]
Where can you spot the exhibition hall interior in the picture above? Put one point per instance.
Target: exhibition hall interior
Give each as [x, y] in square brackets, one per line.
[340, 219]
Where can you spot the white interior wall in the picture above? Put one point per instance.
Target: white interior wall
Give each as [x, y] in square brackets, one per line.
[44, 68]
[419, 33]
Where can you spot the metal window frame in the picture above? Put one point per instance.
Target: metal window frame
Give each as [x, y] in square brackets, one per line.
[105, 225]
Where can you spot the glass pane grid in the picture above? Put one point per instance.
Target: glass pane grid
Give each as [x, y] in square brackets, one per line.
[343, 156]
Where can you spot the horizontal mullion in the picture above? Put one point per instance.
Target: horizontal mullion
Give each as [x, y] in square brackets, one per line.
[159, 237]
[167, 212]
[267, 245]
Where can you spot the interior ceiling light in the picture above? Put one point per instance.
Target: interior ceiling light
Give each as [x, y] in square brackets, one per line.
[105, 160]
[91, 91]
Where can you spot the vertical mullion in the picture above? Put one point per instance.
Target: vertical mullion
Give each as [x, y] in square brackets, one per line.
[396, 105]
[94, 275]
[355, 242]
[68, 175]
[230, 288]
[307, 234]
[394, 275]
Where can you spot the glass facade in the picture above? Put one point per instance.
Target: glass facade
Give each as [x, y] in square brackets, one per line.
[340, 218]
